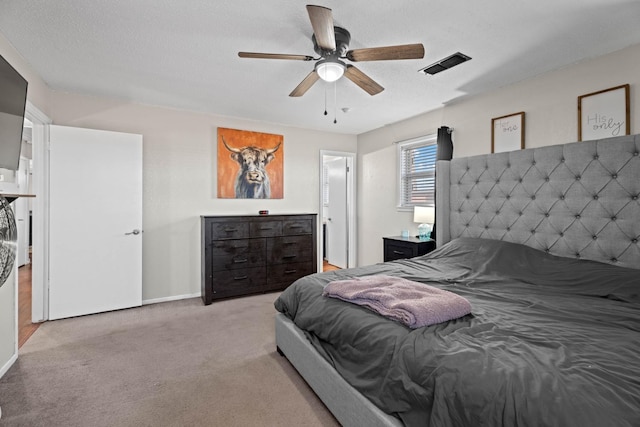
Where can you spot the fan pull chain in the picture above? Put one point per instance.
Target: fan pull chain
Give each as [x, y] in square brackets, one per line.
[335, 102]
[325, 100]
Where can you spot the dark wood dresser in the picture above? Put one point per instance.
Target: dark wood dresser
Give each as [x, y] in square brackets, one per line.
[398, 247]
[243, 255]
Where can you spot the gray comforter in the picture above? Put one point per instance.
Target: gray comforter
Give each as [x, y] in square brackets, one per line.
[550, 342]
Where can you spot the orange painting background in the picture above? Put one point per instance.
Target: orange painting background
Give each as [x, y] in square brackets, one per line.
[228, 168]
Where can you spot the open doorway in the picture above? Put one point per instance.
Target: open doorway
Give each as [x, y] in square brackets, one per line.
[36, 310]
[337, 203]
[23, 208]
[19, 182]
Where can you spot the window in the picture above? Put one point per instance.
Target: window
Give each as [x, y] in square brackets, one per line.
[416, 168]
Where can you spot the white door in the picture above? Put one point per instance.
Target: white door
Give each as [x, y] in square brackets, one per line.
[95, 215]
[337, 230]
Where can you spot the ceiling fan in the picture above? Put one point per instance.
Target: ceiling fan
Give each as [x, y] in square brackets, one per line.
[332, 44]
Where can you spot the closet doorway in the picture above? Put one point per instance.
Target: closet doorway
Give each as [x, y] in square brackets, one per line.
[337, 207]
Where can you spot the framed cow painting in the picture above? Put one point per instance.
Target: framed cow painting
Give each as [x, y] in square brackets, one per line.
[250, 165]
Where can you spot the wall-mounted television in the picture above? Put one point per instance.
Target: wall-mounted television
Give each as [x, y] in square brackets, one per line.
[13, 99]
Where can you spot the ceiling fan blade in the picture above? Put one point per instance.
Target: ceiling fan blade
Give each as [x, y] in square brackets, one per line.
[362, 80]
[305, 84]
[322, 23]
[403, 51]
[274, 56]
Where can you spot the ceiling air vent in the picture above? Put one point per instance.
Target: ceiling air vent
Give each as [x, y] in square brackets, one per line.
[446, 63]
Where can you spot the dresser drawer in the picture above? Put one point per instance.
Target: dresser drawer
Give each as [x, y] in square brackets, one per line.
[234, 262]
[234, 254]
[237, 246]
[287, 249]
[238, 282]
[229, 230]
[266, 228]
[279, 276]
[296, 226]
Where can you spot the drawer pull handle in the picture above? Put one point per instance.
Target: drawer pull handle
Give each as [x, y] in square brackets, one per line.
[241, 278]
[288, 256]
[289, 243]
[266, 228]
[230, 230]
[290, 271]
[295, 226]
[398, 252]
[240, 261]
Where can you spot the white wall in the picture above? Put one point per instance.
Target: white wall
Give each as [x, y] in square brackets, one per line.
[180, 179]
[549, 101]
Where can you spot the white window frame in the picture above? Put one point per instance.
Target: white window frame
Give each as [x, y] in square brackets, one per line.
[401, 149]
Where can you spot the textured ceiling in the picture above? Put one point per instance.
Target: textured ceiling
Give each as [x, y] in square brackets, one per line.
[183, 54]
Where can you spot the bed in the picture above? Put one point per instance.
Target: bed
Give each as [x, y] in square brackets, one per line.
[543, 243]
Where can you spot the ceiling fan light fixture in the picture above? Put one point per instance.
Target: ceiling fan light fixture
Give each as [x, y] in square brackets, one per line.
[330, 71]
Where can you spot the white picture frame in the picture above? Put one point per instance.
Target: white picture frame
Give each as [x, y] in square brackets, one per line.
[604, 114]
[507, 133]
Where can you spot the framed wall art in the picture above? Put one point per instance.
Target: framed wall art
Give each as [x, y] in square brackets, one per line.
[507, 133]
[604, 114]
[250, 165]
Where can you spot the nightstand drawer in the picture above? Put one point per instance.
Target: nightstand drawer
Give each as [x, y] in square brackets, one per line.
[394, 251]
[406, 247]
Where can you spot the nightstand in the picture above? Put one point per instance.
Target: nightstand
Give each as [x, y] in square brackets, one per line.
[398, 247]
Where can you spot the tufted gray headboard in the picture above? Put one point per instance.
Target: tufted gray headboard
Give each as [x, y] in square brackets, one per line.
[574, 200]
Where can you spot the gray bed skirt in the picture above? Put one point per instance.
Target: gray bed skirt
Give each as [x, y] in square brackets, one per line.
[348, 406]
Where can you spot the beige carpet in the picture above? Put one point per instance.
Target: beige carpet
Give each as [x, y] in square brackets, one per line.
[172, 364]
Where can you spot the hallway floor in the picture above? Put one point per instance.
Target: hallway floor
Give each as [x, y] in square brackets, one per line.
[328, 267]
[25, 327]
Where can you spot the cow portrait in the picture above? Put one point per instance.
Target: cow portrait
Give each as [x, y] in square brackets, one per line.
[252, 180]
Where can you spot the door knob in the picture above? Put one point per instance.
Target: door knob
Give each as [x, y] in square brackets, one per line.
[134, 232]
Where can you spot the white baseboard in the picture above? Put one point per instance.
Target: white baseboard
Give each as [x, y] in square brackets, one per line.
[167, 299]
[8, 365]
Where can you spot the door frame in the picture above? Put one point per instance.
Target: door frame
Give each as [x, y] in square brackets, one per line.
[40, 218]
[351, 206]
[22, 204]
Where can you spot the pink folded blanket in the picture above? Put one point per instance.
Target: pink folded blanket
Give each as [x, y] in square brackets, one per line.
[412, 303]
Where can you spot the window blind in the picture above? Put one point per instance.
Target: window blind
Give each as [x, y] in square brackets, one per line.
[417, 165]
